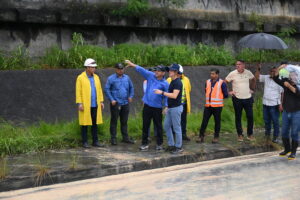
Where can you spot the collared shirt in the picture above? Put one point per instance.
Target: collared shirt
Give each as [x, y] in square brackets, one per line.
[150, 98]
[93, 91]
[223, 87]
[240, 83]
[119, 88]
[272, 91]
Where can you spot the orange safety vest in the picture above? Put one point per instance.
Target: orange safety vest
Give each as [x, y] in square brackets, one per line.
[214, 97]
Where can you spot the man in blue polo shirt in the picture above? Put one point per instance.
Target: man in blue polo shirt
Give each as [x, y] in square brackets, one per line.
[119, 90]
[153, 103]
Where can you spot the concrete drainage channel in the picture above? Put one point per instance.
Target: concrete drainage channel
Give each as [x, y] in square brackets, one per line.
[37, 169]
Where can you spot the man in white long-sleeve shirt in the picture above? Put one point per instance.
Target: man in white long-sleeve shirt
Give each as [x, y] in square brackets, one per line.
[271, 102]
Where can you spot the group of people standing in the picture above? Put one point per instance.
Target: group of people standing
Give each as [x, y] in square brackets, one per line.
[172, 98]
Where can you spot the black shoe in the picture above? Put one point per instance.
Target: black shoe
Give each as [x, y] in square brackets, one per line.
[292, 156]
[85, 145]
[128, 141]
[284, 153]
[97, 144]
[170, 148]
[185, 138]
[177, 151]
[113, 141]
[287, 147]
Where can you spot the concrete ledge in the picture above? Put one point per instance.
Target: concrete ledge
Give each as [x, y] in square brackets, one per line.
[78, 164]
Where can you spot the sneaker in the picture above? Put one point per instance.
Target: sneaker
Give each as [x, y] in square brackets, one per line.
[200, 139]
[159, 147]
[275, 140]
[240, 138]
[85, 145]
[185, 138]
[128, 141]
[215, 140]
[284, 153]
[113, 141]
[144, 147]
[292, 156]
[170, 148]
[97, 144]
[177, 151]
[251, 138]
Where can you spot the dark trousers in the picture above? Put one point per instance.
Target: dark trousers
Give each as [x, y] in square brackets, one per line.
[155, 114]
[183, 120]
[207, 113]
[271, 116]
[123, 112]
[247, 105]
[94, 128]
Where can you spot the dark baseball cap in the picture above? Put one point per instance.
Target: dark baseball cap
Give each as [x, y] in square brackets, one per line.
[174, 67]
[119, 66]
[162, 68]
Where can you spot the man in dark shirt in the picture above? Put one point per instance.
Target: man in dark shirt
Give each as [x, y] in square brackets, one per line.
[173, 116]
[290, 115]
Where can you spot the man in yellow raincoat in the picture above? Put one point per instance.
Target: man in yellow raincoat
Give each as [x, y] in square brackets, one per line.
[186, 101]
[89, 98]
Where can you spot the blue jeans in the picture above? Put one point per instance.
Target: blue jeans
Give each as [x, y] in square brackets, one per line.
[173, 119]
[271, 116]
[290, 123]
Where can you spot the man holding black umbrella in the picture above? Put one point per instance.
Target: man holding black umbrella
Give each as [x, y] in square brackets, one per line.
[242, 97]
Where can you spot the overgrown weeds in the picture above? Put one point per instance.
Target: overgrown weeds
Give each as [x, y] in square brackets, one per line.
[43, 171]
[3, 166]
[61, 135]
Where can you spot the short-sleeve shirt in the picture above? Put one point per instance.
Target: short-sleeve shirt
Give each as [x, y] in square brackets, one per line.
[240, 83]
[175, 85]
[272, 91]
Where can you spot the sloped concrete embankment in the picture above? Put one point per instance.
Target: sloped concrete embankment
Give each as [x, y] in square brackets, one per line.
[38, 169]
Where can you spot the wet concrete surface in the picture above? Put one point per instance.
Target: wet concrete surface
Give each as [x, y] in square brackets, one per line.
[260, 176]
[38, 169]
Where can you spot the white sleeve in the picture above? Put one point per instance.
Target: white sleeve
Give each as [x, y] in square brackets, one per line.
[262, 78]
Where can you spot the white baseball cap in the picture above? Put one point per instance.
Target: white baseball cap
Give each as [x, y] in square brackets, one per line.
[180, 69]
[90, 63]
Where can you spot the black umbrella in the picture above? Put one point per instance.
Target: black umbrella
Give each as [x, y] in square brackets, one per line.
[262, 41]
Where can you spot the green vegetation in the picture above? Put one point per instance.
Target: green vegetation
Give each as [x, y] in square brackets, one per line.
[3, 167]
[45, 136]
[257, 20]
[145, 55]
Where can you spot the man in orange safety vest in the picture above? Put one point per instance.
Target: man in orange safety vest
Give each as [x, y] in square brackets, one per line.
[215, 92]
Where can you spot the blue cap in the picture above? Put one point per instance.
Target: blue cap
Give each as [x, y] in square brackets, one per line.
[174, 67]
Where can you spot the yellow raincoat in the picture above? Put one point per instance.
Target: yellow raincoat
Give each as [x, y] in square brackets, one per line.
[83, 95]
[188, 88]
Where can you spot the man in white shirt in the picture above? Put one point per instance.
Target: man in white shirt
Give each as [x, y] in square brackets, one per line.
[271, 102]
[242, 81]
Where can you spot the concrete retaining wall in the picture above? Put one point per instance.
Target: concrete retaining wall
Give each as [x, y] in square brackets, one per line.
[49, 95]
[40, 24]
